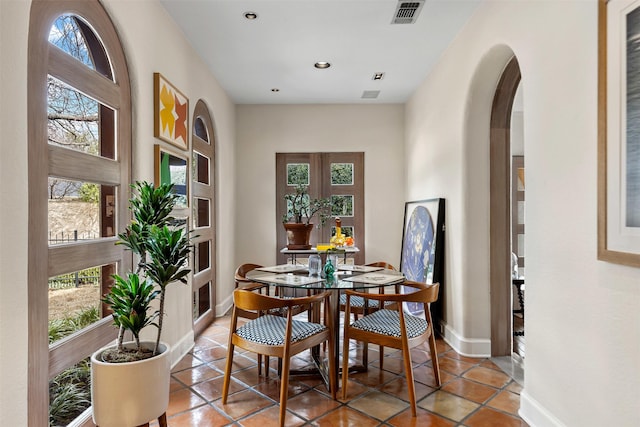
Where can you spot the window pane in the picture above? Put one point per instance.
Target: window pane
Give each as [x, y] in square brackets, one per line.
[66, 34]
[202, 256]
[78, 122]
[342, 205]
[341, 173]
[200, 168]
[74, 300]
[201, 213]
[200, 129]
[75, 210]
[297, 173]
[70, 393]
[204, 299]
[346, 231]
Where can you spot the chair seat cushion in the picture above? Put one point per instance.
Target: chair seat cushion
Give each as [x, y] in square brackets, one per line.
[387, 322]
[270, 330]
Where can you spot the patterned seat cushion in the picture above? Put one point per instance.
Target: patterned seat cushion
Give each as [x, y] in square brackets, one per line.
[270, 330]
[357, 301]
[387, 322]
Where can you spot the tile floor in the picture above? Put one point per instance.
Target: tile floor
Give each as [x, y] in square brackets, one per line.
[474, 392]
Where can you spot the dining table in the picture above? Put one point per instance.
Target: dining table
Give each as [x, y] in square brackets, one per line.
[296, 278]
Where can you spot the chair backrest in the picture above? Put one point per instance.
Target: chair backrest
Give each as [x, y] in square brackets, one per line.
[382, 264]
[241, 273]
[426, 293]
[247, 300]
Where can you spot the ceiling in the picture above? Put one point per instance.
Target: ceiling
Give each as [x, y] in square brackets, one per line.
[278, 50]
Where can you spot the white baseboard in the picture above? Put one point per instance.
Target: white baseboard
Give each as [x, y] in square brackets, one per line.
[470, 347]
[224, 306]
[182, 347]
[535, 414]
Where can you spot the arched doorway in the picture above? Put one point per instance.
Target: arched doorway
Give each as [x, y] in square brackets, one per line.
[500, 210]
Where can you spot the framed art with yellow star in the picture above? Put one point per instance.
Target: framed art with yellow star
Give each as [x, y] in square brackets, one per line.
[171, 113]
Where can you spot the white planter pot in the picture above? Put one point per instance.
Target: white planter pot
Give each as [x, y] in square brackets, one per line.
[130, 394]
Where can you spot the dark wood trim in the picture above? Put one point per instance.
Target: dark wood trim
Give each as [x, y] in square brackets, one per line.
[500, 205]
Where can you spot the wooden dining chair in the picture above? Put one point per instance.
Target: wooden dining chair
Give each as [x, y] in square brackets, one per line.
[278, 336]
[394, 328]
[360, 306]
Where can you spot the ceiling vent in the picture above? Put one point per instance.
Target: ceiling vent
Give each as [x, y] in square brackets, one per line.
[407, 12]
[370, 94]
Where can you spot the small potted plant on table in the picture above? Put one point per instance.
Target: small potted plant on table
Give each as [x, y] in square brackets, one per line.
[130, 381]
[300, 211]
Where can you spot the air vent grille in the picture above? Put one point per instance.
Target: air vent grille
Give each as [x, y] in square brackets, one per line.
[407, 12]
[370, 94]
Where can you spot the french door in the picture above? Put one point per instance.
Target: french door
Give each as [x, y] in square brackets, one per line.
[337, 176]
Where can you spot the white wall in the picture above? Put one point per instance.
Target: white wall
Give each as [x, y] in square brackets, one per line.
[263, 130]
[582, 318]
[152, 43]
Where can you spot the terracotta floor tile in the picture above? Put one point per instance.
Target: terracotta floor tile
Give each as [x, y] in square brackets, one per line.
[488, 376]
[453, 366]
[195, 375]
[182, 400]
[453, 355]
[448, 405]
[311, 404]
[212, 389]
[345, 417]
[174, 385]
[271, 417]
[373, 377]
[212, 353]
[188, 361]
[424, 374]
[354, 389]
[379, 405]
[271, 388]
[506, 401]
[202, 343]
[243, 403]
[487, 417]
[399, 388]
[470, 390]
[390, 364]
[240, 362]
[423, 419]
[489, 364]
[203, 416]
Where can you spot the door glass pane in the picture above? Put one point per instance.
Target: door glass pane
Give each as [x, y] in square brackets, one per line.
[204, 299]
[78, 122]
[341, 173]
[70, 393]
[74, 300]
[297, 173]
[200, 130]
[75, 210]
[202, 256]
[201, 214]
[66, 34]
[200, 168]
[341, 205]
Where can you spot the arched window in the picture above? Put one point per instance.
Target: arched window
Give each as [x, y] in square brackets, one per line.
[204, 198]
[79, 176]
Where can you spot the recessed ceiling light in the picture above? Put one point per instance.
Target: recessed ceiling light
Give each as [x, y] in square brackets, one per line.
[378, 76]
[322, 65]
[251, 15]
[275, 89]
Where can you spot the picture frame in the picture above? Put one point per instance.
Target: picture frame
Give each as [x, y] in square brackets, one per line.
[422, 254]
[171, 167]
[619, 132]
[170, 113]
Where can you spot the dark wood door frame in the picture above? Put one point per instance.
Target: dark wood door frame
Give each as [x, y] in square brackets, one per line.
[500, 214]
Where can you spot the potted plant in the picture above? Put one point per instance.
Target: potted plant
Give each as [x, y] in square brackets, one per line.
[300, 211]
[130, 381]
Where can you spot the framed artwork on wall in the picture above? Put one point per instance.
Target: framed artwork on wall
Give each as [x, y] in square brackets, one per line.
[171, 113]
[619, 132]
[422, 255]
[172, 168]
